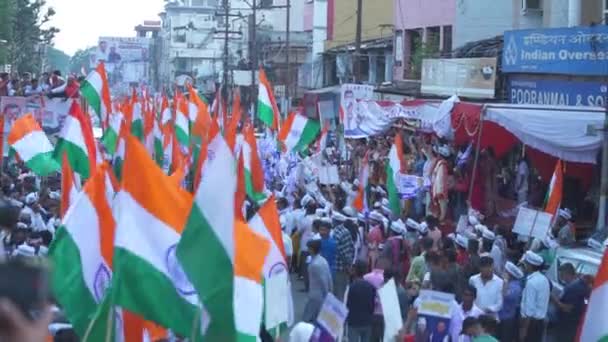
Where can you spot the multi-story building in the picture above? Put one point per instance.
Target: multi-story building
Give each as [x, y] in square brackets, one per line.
[375, 59]
[481, 19]
[423, 29]
[315, 23]
[187, 41]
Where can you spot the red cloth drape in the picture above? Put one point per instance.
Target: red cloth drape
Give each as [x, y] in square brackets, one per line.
[465, 122]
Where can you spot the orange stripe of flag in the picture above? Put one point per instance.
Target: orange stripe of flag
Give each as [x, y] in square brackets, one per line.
[257, 172]
[95, 188]
[251, 250]
[399, 148]
[133, 327]
[284, 132]
[270, 215]
[241, 191]
[152, 188]
[67, 182]
[22, 127]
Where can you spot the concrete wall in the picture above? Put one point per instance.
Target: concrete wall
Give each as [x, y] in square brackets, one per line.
[308, 12]
[481, 19]
[411, 14]
[276, 17]
[376, 13]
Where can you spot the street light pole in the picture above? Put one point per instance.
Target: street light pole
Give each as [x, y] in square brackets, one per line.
[358, 42]
[601, 216]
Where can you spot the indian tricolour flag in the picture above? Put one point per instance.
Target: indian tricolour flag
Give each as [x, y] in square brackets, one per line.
[228, 277]
[182, 123]
[82, 251]
[110, 136]
[266, 223]
[298, 132]
[77, 142]
[595, 323]
[254, 174]
[96, 90]
[27, 139]
[360, 202]
[394, 167]
[554, 194]
[70, 186]
[137, 123]
[157, 134]
[268, 110]
[322, 142]
[165, 111]
[151, 212]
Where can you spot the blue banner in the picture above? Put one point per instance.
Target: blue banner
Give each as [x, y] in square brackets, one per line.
[569, 51]
[556, 92]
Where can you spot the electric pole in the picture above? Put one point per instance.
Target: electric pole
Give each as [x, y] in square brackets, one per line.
[288, 69]
[358, 43]
[226, 61]
[254, 59]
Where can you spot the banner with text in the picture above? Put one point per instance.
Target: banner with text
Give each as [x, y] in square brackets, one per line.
[570, 51]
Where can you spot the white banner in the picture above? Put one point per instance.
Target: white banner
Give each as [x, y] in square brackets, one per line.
[372, 117]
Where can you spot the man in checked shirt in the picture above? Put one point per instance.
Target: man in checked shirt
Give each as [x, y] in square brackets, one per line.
[345, 252]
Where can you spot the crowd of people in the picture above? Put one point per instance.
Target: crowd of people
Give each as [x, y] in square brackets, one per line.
[444, 239]
[440, 241]
[49, 84]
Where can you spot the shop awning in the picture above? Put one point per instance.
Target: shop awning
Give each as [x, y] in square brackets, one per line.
[562, 132]
[558, 131]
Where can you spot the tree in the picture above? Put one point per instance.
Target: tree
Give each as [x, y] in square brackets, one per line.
[57, 60]
[26, 31]
[80, 60]
[6, 28]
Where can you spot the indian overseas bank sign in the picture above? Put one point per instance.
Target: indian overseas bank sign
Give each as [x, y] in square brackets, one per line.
[569, 51]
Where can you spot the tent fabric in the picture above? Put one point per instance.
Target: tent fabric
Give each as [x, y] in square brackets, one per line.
[545, 165]
[560, 132]
[465, 123]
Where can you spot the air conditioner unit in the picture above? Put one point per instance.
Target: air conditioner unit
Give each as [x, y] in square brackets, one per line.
[531, 7]
[266, 3]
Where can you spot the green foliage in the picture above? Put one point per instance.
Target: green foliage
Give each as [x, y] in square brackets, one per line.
[79, 60]
[57, 60]
[24, 25]
[422, 50]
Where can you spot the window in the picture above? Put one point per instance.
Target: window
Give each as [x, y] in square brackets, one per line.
[265, 3]
[398, 48]
[447, 40]
[605, 12]
[198, 3]
[531, 6]
[179, 38]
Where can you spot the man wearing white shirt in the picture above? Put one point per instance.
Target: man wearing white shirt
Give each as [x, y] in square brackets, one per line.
[488, 286]
[534, 300]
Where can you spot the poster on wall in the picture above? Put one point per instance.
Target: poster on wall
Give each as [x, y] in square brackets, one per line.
[349, 95]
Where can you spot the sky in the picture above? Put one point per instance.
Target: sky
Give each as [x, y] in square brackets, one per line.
[82, 22]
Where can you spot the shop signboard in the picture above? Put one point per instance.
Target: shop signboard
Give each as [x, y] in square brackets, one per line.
[528, 90]
[569, 51]
[468, 77]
